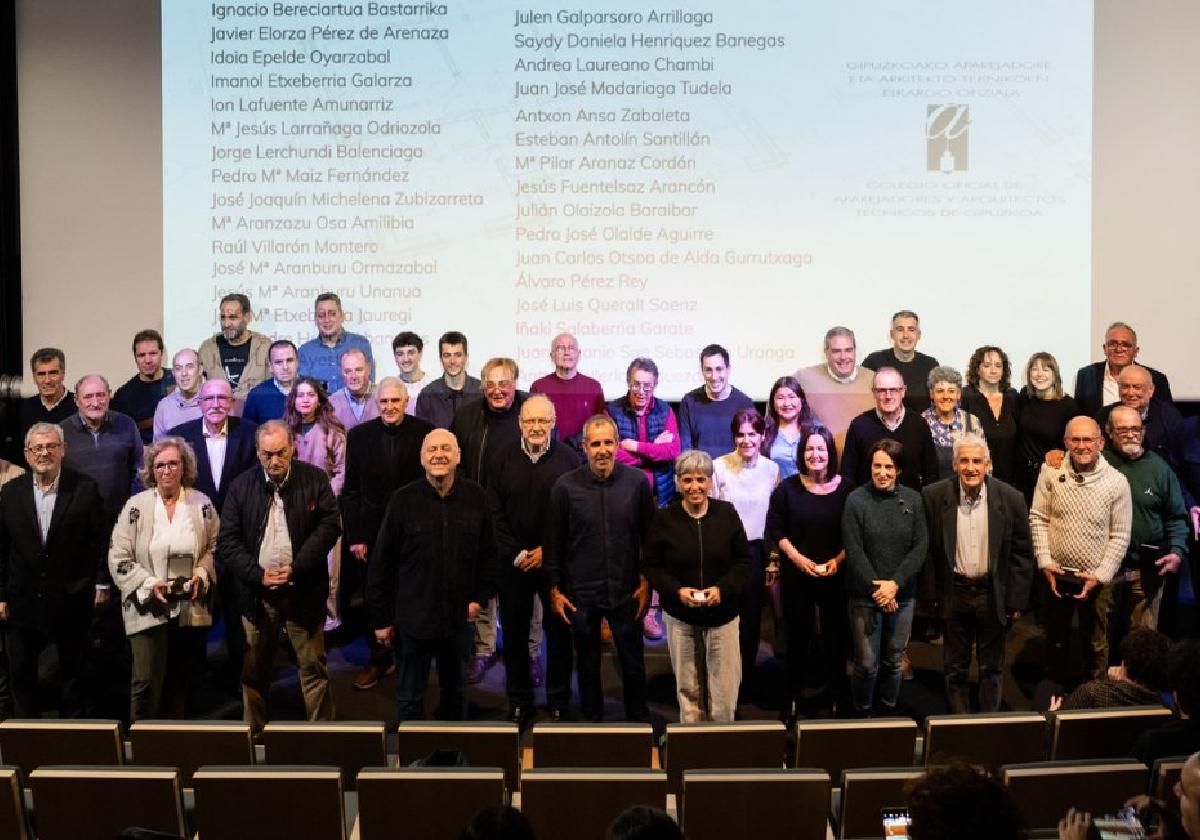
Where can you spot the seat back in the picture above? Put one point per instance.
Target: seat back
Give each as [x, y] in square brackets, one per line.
[837, 745]
[1163, 776]
[592, 745]
[1101, 733]
[755, 803]
[989, 740]
[189, 745]
[484, 743]
[235, 803]
[351, 745]
[581, 803]
[865, 793]
[699, 746]
[98, 803]
[14, 822]
[31, 743]
[1045, 790]
[446, 798]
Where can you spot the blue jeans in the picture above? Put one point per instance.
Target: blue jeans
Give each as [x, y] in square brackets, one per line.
[879, 639]
[413, 657]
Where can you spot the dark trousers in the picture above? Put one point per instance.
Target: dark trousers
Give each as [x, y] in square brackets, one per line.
[166, 660]
[235, 634]
[973, 622]
[750, 614]
[25, 645]
[1093, 627]
[627, 638]
[413, 658]
[517, 591]
[809, 603]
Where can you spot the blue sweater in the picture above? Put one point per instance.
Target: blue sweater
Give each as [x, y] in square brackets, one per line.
[704, 423]
[110, 457]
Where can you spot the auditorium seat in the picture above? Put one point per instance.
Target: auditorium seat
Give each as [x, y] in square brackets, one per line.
[1163, 776]
[593, 745]
[351, 745]
[484, 743]
[1101, 733]
[721, 804]
[188, 745]
[14, 822]
[988, 740]
[1043, 791]
[865, 793]
[235, 802]
[580, 804]
[31, 743]
[97, 803]
[696, 746]
[447, 798]
[836, 745]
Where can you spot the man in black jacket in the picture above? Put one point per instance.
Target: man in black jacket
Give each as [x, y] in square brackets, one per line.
[53, 542]
[982, 566]
[382, 455]
[483, 428]
[277, 527]
[521, 477]
[432, 568]
[231, 440]
[598, 520]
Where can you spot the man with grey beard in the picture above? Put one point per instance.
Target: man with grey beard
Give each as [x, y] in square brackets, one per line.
[1158, 541]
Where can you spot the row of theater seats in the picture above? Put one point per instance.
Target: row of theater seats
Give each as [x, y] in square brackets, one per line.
[724, 779]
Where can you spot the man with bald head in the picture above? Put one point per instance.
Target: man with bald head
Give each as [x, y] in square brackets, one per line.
[103, 444]
[1096, 385]
[1158, 538]
[182, 404]
[382, 455]
[522, 474]
[1160, 418]
[426, 582]
[1080, 522]
[576, 397]
[278, 524]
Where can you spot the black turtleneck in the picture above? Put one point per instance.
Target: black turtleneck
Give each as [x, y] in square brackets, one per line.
[380, 459]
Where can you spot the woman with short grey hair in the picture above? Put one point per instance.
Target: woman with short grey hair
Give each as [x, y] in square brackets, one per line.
[697, 559]
[945, 416]
[161, 558]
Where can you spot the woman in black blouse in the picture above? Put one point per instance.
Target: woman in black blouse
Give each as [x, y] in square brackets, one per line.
[1043, 411]
[805, 520]
[990, 397]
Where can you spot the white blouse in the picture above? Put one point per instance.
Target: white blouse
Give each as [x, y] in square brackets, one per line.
[747, 488]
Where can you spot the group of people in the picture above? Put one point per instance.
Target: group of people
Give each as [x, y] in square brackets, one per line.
[270, 485]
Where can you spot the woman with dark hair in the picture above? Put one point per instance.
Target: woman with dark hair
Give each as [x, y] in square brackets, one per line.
[745, 478]
[1043, 411]
[320, 441]
[804, 520]
[886, 540]
[787, 411]
[161, 559]
[990, 397]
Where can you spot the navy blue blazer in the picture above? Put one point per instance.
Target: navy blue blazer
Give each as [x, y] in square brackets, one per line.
[240, 455]
[1089, 387]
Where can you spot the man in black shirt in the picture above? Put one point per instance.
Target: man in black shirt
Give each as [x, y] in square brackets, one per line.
[432, 568]
[140, 395]
[890, 418]
[521, 477]
[53, 403]
[904, 357]
[382, 455]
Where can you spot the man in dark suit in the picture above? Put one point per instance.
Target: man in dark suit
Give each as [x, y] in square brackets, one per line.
[1161, 420]
[53, 542]
[224, 448]
[981, 565]
[382, 455]
[1096, 384]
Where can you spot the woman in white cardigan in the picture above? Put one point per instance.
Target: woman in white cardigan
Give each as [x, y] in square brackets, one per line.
[161, 558]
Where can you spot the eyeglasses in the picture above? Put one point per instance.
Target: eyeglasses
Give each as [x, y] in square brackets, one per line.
[1119, 345]
[643, 387]
[215, 398]
[537, 421]
[502, 385]
[167, 466]
[888, 390]
[43, 448]
[1129, 430]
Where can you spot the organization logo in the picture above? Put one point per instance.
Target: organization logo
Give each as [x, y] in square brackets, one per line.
[947, 137]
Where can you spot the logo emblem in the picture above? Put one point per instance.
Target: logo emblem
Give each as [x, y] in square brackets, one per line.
[947, 138]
